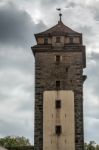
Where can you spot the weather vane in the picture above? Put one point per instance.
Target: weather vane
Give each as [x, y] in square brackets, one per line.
[60, 14]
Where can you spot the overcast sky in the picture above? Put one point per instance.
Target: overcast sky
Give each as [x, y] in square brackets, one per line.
[19, 20]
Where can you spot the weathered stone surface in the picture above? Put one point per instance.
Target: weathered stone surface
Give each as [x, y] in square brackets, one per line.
[47, 72]
[45, 79]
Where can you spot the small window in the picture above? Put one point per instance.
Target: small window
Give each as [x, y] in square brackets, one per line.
[57, 84]
[45, 40]
[58, 39]
[71, 40]
[66, 69]
[58, 104]
[57, 58]
[76, 140]
[58, 130]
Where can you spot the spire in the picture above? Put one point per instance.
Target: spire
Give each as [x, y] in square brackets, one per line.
[60, 14]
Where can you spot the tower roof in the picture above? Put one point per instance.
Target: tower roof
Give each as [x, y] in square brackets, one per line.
[58, 29]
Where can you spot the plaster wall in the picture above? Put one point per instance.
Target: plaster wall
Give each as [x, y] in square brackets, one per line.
[63, 116]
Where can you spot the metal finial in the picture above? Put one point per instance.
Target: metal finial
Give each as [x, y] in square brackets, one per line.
[60, 14]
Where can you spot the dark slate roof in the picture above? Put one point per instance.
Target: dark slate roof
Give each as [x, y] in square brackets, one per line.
[58, 29]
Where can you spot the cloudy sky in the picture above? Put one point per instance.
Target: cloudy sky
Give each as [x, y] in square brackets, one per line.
[19, 20]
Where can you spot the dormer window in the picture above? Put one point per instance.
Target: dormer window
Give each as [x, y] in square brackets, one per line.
[57, 58]
[71, 40]
[58, 39]
[45, 40]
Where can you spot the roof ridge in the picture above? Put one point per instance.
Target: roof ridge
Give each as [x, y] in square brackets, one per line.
[49, 29]
[59, 27]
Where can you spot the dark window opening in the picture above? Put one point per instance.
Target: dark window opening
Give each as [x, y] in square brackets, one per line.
[45, 40]
[71, 40]
[57, 39]
[58, 130]
[57, 84]
[58, 104]
[66, 69]
[76, 141]
[57, 58]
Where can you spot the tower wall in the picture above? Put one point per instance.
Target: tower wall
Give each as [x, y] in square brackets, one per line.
[47, 72]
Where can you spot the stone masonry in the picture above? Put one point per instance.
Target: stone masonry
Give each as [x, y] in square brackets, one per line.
[69, 71]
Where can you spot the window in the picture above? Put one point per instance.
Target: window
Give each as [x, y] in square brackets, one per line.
[58, 130]
[57, 58]
[57, 84]
[71, 40]
[66, 69]
[58, 104]
[45, 40]
[57, 39]
[76, 140]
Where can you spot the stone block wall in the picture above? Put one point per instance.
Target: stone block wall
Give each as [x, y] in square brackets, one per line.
[47, 73]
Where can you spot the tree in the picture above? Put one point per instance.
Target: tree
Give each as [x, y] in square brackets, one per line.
[14, 141]
[97, 147]
[91, 146]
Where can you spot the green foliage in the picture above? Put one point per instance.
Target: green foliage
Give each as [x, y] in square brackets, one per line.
[91, 146]
[97, 147]
[10, 141]
[21, 148]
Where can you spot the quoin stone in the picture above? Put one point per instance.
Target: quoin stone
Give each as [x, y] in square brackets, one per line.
[60, 58]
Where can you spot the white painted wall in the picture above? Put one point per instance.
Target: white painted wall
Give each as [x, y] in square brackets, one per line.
[63, 116]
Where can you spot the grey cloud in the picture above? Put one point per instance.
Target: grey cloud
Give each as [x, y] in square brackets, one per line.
[91, 130]
[88, 33]
[91, 98]
[86, 29]
[71, 4]
[95, 73]
[16, 26]
[91, 109]
[51, 2]
[18, 127]
[94, 56]
[93, 6]
[26, 106]
[21, 59]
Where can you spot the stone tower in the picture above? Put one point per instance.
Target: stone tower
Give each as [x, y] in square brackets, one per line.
[59, 63]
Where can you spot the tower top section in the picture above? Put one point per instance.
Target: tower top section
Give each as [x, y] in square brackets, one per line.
[59, 38]
[58, 30]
